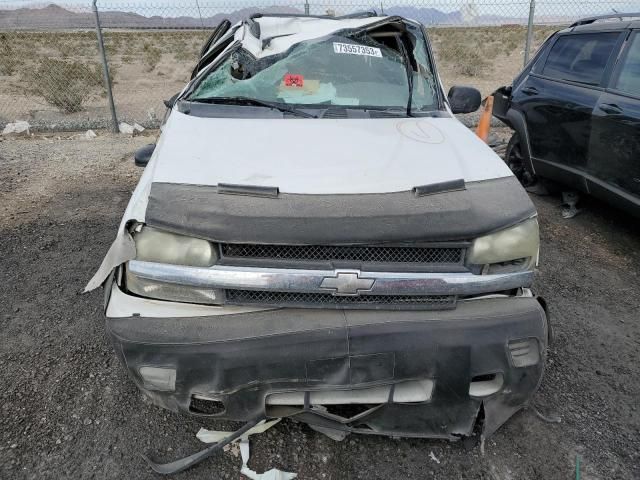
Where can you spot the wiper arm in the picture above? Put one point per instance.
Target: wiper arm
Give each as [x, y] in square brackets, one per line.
[254, 101]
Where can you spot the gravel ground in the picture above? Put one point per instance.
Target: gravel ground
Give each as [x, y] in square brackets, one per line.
[68, 410]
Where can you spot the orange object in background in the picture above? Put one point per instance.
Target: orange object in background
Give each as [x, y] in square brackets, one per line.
[484, 125]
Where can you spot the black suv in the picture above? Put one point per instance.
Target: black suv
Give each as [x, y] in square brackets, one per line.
[575, 109]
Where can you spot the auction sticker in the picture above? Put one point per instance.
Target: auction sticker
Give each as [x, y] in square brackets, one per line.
[356, 49]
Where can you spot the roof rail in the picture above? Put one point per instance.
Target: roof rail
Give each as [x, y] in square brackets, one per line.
[590, 20]
[365, 14]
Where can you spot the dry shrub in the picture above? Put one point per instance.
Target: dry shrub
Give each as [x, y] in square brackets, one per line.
[7, 56]
[152, 56]
[66, 84]
[470, 63]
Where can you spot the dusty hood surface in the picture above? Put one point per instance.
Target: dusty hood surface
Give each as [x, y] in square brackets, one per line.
[323, 156]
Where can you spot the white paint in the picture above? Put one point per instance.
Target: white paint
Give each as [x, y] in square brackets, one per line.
[287, 31]
[323, 156]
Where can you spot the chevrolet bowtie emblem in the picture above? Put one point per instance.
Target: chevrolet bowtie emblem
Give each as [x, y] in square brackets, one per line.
[347, 284]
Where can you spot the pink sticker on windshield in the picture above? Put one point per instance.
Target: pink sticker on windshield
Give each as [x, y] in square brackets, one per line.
[293, 80]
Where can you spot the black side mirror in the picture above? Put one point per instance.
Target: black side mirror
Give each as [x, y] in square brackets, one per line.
[464, 99]
[172, 101]
[143, 155]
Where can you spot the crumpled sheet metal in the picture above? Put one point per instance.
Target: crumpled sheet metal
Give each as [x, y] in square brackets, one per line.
[122, 250]
[214, 436]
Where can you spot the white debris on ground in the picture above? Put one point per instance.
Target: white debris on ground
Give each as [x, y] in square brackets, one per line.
[214, 436]
[132, 130]
[89, 134]
[433, 457]
[17, 128]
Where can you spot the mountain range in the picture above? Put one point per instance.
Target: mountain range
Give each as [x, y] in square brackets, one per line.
[56, 17]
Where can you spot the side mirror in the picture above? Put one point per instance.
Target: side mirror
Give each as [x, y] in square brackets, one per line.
[143, 155]
[464, 99]
[171, 102]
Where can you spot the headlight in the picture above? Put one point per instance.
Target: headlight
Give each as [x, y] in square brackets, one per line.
[154, 245]
[513, 249]
[158, 246]
[171, 291]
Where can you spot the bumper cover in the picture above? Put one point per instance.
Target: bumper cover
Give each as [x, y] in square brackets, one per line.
[241, 359]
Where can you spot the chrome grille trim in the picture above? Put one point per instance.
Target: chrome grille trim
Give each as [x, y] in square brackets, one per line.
[319, 281]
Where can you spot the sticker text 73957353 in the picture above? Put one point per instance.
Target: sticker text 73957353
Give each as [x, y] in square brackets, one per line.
[356, 49]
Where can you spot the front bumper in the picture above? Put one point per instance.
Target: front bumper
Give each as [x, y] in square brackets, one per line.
[242, 360]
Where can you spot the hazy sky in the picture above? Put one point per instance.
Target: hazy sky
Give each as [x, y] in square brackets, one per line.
[508, 8]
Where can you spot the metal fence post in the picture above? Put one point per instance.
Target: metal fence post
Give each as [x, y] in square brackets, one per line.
[105, 68]
[306, 7]
[527, 47]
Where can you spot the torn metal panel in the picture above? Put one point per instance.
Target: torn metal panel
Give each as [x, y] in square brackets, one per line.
[122, 250]
[287, 31]
[200, 211]
[123, 247]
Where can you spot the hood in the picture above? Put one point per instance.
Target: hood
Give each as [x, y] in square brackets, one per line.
[322, 156]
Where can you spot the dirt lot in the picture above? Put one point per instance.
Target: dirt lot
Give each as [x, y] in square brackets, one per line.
[67, 409]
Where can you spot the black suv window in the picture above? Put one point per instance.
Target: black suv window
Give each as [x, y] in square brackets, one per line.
[580, 57]
[629, 79]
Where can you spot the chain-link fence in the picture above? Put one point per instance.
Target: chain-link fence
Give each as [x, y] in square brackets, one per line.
[51, 71]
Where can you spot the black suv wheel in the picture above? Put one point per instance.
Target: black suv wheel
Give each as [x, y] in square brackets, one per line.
[514, 158]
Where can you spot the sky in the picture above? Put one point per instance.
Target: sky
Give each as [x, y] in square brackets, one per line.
[508, 8]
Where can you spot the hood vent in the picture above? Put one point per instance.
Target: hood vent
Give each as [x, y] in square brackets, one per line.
[250, 190]
[442, 187]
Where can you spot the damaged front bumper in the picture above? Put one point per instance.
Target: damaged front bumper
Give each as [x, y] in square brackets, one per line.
[399, 373]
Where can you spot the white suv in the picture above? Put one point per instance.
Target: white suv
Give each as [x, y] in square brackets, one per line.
[316, 236]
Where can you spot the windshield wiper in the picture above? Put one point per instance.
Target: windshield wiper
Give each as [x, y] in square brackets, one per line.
[254, 101]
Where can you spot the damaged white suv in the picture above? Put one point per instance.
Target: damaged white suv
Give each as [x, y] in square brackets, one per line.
[317, 237]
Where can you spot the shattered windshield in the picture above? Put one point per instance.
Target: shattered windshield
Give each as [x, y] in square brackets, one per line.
[366, 70]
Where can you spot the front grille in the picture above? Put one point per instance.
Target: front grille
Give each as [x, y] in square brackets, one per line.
[382, 254]
[327, 300]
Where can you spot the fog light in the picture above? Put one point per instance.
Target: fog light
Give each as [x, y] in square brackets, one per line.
[525, 352]
[158, 378]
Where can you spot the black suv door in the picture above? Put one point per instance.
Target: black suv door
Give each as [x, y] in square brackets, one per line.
[558, 98]
[615, 139]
